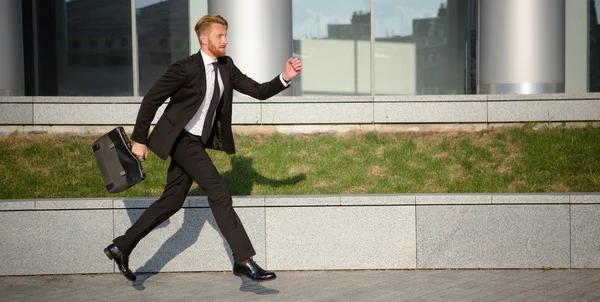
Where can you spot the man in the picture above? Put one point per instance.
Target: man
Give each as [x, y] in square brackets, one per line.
[198, 116]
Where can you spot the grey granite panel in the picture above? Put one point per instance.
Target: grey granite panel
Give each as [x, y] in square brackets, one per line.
[447, 199]
[197, 202]
[88, 99]
[544, 111]
[134, 203]
[12, 205]
[320, 99]
[430, 112]
[246, 113]
[16, 99]
[306, 200]
[238, 201]
[55, 242]
[88, 114]
[530, 198]
[585, 198]
[432, 98]
[190, 241]
[546, 96]
[74, 204]
[493, 236]
[374, 199]
[246, 99]
[585, 231]
[12, 113]
[248, 201]
[323, 113]
[341, 238]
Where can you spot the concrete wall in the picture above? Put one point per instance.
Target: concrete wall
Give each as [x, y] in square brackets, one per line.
[437, 231]
[313, 110]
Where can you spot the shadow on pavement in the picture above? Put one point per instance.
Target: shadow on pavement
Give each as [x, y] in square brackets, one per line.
[249, 285]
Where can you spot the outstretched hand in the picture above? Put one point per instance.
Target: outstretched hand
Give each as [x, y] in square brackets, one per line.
[293, 66]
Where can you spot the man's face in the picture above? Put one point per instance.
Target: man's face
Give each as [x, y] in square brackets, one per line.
[216, 40]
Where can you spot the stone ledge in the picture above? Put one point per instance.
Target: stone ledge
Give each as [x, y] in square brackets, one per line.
[322, 110]
[378, 231]
[432, 98]
[296, 129]
[585, 198]
[310, 201]
[545, 97]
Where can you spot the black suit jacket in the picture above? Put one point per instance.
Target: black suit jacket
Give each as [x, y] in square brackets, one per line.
[185, 83]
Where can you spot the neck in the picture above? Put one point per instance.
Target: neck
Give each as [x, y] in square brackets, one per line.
[208, 53]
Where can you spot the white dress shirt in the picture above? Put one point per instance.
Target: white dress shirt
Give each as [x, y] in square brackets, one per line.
[196, 124]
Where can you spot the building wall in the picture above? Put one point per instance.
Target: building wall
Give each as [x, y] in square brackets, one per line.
[98, 59]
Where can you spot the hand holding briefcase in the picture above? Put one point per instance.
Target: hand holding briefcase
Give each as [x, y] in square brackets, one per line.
[119, 167]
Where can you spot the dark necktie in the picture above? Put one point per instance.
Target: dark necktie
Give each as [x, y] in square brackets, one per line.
[208, 121]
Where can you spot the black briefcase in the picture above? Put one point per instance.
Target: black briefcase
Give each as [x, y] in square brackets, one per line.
[119, 167]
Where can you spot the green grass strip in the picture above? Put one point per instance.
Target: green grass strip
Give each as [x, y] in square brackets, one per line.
[494, 161]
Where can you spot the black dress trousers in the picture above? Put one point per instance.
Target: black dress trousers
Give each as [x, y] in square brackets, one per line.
[189, 163]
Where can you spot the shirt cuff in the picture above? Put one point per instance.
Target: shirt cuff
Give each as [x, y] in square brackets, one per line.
[286, 84]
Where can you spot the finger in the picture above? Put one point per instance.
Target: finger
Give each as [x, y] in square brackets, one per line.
[139, 156]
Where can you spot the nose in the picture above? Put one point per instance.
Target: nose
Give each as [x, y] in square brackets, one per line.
[225, 41]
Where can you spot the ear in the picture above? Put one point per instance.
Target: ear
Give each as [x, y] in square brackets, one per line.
[203, 40]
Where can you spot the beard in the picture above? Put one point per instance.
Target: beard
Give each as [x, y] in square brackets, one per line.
[218, 52]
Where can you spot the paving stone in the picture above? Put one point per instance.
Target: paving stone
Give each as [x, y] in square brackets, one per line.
[391, 285]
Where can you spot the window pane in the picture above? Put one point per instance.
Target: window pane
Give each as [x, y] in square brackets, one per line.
[594, 45]
[421, 46]
[97, 57]
[163, 37]
[332, 39]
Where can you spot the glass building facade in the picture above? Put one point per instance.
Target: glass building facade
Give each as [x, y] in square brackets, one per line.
[349, 47]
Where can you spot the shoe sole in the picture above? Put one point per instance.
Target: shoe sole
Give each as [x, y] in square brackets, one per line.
[244, 275]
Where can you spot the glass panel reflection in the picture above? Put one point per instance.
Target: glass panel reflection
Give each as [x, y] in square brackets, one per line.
[96, 56]
[332, 39]
[594, 46]
[421, 46]
[163, 37]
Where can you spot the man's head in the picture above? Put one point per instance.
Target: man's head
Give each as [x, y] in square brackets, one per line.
[212, 35]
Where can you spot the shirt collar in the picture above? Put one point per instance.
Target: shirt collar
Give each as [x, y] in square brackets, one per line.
[207, 59]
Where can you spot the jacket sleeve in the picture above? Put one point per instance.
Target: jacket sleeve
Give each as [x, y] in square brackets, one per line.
[163, 88]
[248, 86]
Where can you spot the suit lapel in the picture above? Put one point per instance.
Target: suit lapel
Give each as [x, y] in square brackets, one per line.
[227, 85]
[201, 74]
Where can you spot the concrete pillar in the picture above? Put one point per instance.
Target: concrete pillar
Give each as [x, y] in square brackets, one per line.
[12, 78]
[259, 34]
[522, 46]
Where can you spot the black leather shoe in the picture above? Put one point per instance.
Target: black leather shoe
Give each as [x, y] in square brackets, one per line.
[113, 253]
[252, 270]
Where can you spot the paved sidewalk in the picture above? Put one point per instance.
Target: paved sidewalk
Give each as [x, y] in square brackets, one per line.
[397, 285]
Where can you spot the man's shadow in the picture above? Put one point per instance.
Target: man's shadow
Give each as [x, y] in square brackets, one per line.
[185, 237]
[240, 179]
